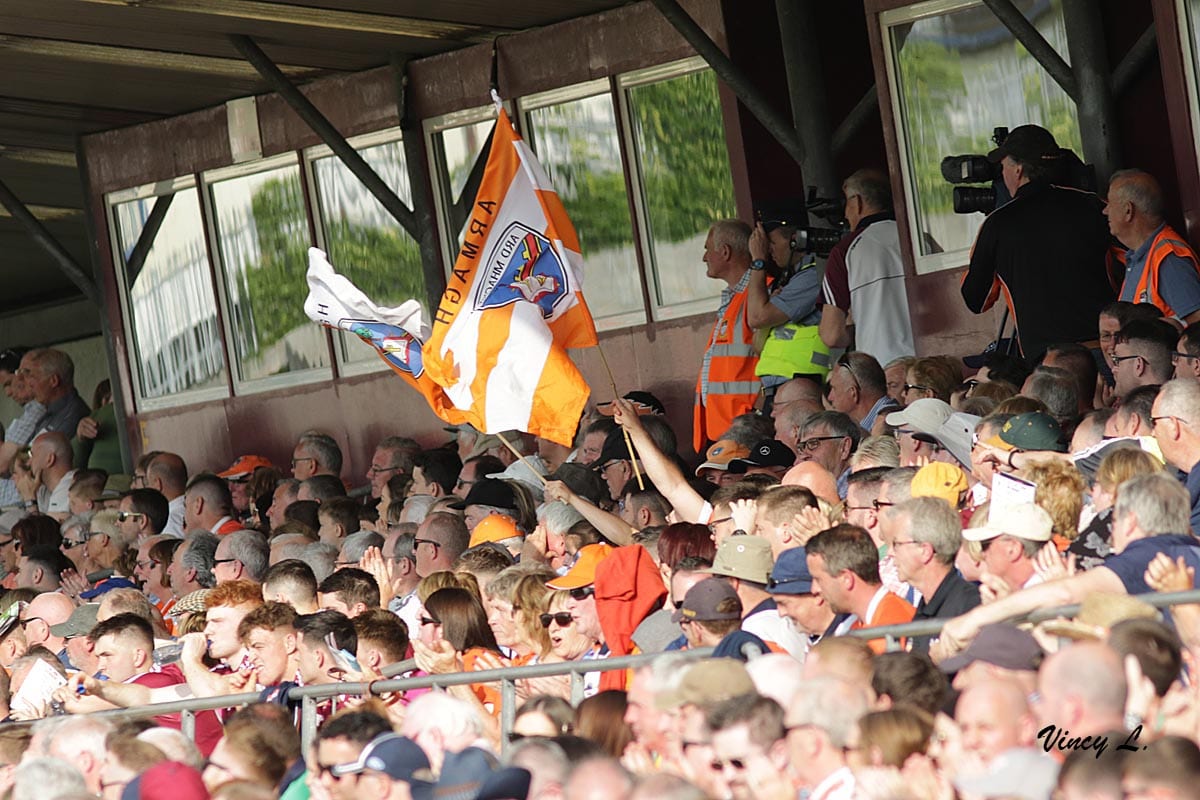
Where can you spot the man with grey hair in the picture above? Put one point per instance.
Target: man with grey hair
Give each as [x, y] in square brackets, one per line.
[322, 558]
[927, 536]
[192, 567]
[316, 453]
[1150, 517]
[354, 545]
[48, 779]
[1160, 267]
[1056, 388]
[549, 539]
[1175, 417]
[864, 275]
[242, 555]
[393, 456]
[830, 438]
[441, 724]
[547, 763]
[819, 722]
[727, 385]
[599, 779]
[50, 376]
[81, 741]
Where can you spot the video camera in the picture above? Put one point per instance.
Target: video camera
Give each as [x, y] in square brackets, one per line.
[973, 168]
[806, 238]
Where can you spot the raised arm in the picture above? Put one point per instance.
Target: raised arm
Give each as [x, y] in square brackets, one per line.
[660, 469]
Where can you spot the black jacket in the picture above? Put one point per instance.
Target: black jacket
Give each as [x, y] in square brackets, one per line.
[1048, 249]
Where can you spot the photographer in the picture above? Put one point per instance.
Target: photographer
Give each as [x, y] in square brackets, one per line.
[864, 275]
[782, 302]
[1045, 250]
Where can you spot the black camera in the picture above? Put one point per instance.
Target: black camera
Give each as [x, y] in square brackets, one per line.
[1067, 170]
[797, 215]
[974, 168]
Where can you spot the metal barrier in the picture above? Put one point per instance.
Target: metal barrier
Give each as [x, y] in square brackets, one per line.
[507, 677]
[927, 627]
[309, 696]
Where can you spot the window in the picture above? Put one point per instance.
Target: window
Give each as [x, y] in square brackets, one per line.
[455, 142]
[169, 305]
[365, 242]
[262, 237]
[1189, 30]
[682, 177]
[956, 73]
[577, 141]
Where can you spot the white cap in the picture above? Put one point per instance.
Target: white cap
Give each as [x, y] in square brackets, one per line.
[1023, 520]
[955, 435]
[926, 415]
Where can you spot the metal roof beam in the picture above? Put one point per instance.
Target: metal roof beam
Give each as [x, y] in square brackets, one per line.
[1033, 41]
[310, 17]
[329, 134]
[107, 55]
[37, 156]
[45, 239]
[70, 112]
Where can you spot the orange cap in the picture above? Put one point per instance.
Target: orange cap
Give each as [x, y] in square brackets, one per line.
[493, 528]
[243, 466]
[584, 571]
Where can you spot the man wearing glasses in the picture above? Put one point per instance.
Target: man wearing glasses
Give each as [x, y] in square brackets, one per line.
[440, 540]
[1187, 353]
[1142, 355]
[143, 513]
[829, 439]
[393, 456]
[316, 454]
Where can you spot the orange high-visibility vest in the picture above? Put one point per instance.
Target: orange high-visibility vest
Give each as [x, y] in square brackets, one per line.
[1167, 242]
[731, 384]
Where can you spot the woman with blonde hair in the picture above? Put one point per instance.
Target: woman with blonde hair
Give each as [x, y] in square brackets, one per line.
[508, 596]
[1094, 542]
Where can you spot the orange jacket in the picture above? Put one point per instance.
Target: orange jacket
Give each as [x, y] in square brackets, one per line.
[1167, 242]
[731, 384]
[628, 589]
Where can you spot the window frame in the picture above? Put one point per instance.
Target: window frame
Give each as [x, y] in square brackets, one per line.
[141, 401]
[583, 91]
[659, 312]
[1188, 29]
[249, 386]
[342, 340]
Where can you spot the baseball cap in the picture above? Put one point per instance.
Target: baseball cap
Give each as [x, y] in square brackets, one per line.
[955, 435]
[583, 573]
[701, 602]
[169, 780]
[493, 528]
[941, 480]
[1021, 773]
[80, 623]
[926, 415]
[483, 443]
[1004, 645]
[1022, 520]
[488, 492]
[746, 558]
[473, 774]
[790, 574]
[614, 449]
[643, 402]
[1026, 143]
[243, 467]
[398, 757]
[767, 453]
[706, 683]
[1034, 430]
[721, 453]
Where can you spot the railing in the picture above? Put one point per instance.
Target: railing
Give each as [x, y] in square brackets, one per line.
[310, 696]
[928, 627]
[507, 677]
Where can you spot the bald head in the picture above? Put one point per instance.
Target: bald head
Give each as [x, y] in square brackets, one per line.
[1141, 190]
[54, 443]
[815, 478]
[994, 717]
[1083, 688]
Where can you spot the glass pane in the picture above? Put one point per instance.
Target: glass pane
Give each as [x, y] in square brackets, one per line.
[679, 141]
[457, 149]
[262, 232]
[172, 308]
[364, 241]
[961, 75]
[579, 146]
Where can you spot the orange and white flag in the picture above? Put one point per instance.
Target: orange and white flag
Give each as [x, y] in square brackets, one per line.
[514, 304]
[396, 334]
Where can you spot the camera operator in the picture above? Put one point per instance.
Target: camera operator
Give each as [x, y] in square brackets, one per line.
[864, 275]
[1160, 267]
[782, 302]
[1045, 249]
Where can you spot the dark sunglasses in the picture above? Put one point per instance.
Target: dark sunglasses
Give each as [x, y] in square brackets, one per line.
[429, 621]
[125, 516]
[583, 592]
[563, 619]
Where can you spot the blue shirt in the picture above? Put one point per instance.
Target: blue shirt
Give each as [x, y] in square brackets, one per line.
[1178, 281]
[1130, 564]
[1193, 487]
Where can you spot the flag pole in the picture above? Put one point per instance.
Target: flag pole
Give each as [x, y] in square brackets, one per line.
[637, 472]
[517, 453]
